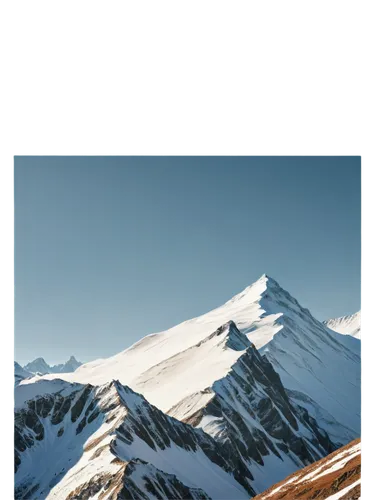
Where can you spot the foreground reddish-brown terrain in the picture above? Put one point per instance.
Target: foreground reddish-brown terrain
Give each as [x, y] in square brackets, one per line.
[335, 477]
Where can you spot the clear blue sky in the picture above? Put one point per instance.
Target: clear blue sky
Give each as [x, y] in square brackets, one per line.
[109, 249]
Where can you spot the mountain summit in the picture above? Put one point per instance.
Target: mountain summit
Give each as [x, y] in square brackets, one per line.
[241, 400]
[307, 355]
[70, 366]
[260, 375]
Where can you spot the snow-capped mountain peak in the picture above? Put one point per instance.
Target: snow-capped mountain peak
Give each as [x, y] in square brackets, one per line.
[347, 325]
[190, 357]
[271, 385]
[20, 373]
[70, 366]
[85, 436]
[255, 291]
[39, 365]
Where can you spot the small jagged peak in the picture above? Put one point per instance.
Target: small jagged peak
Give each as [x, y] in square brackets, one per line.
[232, 337]
[129, 398]
[227, 326]
[39, 360]
[37, 363]
[73, 363]
[116, 384]
[225, 329]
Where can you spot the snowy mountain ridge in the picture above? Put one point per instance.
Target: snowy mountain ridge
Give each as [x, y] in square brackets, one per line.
[347, 325]
[55, 416]
[307, 355]
[273, 386]
[87, 436]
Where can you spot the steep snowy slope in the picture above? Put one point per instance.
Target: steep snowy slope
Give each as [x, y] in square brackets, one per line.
[250, 409]
[244, 309]
[335, 477]
[347, 325]
[194, 369]
[76, 441]
[239, 400]
[311, 359]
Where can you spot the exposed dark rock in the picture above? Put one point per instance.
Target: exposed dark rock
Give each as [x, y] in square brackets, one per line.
[154, 492]
[124, 435]
[40, 434]
[80, 403]
[322, 438]
[89, 489]
[252, 390]
[81, 425]
[61, 408]
[90, 407]
[44, 406]
[253, 387]
[93, 416]
[31, 404]
[159, 484]
[283, 447]
[142, 432]
[22, 441]
[17, 460]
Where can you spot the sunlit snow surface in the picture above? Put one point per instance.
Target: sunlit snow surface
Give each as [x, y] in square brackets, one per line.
[347, 325]
[182, 369]
[124, 428]
[168, 366]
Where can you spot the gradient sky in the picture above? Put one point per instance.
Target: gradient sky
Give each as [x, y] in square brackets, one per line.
[109, 249]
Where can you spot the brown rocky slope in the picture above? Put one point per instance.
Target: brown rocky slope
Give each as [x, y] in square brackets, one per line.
[337, 476]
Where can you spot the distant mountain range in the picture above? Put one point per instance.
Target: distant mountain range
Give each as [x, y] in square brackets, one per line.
[20, 373]
[222, 406]
[40, 367]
